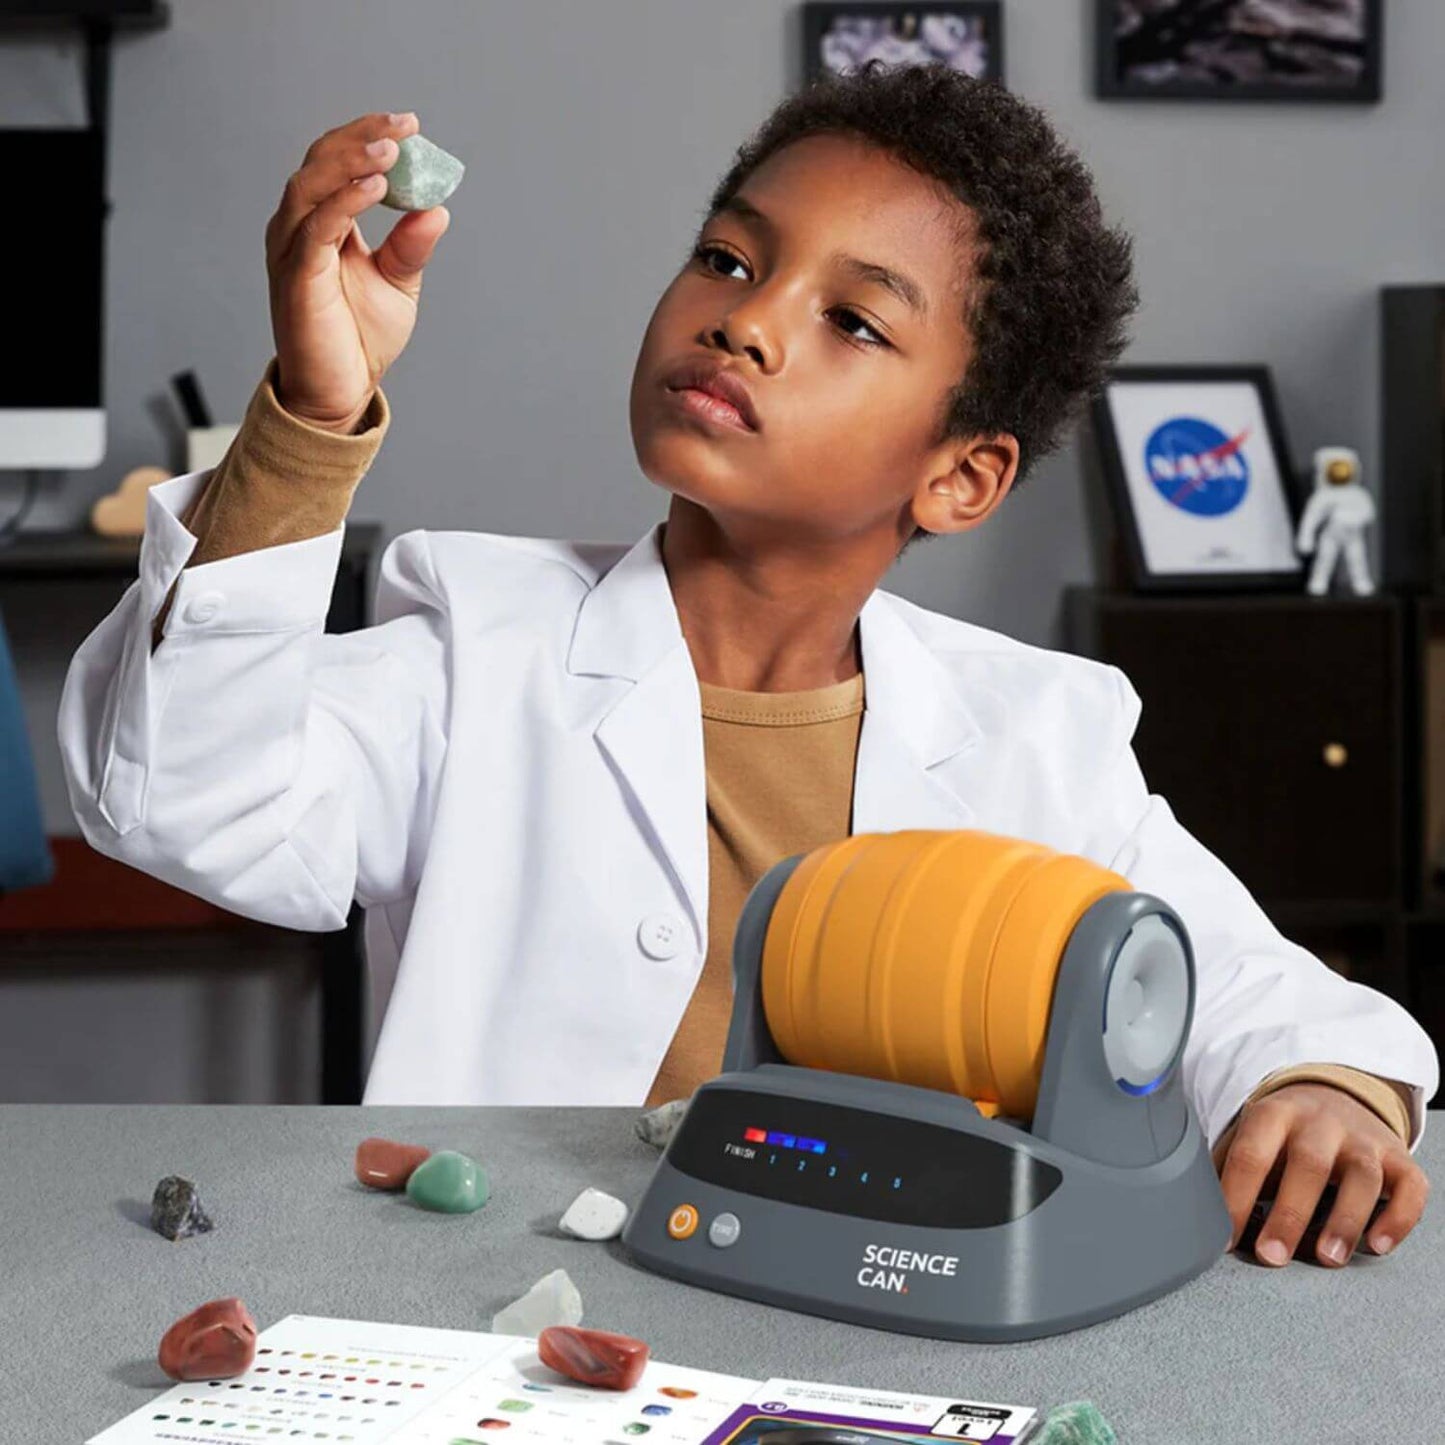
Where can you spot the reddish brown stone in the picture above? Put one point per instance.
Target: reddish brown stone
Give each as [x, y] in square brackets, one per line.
[593, 1357]
[214, 1342]
[385, 1164]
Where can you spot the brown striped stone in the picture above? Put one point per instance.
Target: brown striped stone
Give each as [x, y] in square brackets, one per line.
[593, 1357]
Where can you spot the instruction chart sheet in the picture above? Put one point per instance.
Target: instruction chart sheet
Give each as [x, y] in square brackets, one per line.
[354, 1382]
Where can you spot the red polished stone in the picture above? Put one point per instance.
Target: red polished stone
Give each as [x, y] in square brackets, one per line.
[385, 1164]
[593, 1357]
[214, 1342]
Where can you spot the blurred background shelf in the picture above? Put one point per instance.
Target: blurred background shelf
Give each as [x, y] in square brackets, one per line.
[148, 950]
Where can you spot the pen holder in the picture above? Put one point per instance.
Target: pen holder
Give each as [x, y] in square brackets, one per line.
[206, 445]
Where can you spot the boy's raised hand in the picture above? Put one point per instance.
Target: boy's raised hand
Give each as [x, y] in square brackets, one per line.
[1302, 1137]
[341, 313]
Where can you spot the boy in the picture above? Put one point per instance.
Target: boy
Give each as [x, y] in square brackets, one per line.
[902, 290]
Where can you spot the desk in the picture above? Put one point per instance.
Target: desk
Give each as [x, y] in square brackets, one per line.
[1243, 1353]
[51, 557]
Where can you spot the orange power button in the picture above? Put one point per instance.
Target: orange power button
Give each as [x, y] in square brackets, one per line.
[682, 1222]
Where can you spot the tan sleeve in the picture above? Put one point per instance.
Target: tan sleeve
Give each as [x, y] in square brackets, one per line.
[1381, 1095]
[1387, 1097]
[281, 480]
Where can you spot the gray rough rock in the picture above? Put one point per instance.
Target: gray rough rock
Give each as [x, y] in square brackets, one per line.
[423, 175]
[176, 1209]
[657, 1126]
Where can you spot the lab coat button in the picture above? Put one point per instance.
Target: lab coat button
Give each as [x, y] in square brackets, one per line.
[660, 935]
[202, 609]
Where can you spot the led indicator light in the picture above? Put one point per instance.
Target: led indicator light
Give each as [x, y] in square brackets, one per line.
[784, 1141]
[755, 1136]
[813, 1146]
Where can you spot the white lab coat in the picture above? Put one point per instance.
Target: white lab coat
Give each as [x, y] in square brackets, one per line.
[507, 771]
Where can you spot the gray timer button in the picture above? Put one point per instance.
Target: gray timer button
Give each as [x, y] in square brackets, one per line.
[724, 1230]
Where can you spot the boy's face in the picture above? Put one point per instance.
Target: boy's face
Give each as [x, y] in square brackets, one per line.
[847, 441]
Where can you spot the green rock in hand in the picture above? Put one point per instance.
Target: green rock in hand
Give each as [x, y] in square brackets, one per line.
[422, 175]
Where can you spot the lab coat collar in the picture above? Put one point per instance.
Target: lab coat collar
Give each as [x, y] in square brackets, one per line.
[915, 717]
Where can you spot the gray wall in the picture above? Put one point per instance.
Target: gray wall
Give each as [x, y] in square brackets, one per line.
[592, 134]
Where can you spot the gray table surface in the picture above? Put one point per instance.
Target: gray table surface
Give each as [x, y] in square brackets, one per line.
[1244, 1352]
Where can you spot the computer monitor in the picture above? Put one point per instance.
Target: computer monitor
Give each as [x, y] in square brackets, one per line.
[52, 255]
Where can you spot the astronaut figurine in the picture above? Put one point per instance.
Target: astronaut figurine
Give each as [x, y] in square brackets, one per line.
[1338, 511]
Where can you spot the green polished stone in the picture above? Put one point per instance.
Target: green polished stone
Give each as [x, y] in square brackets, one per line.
[449, 1182]
[1077, 1423]
[422, 175]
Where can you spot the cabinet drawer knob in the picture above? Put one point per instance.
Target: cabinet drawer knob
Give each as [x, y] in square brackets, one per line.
[1336, 755]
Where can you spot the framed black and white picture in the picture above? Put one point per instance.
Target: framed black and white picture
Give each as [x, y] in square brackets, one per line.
[1240, 49]
[968, 36]
[1199, 479]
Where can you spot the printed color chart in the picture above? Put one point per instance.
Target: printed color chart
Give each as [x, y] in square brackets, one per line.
[351, 1382]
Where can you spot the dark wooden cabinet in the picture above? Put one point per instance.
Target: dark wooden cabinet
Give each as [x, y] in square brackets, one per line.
[1273, 725]
[1302, 741]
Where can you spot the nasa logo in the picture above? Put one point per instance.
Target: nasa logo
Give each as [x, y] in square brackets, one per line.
[1196, 467]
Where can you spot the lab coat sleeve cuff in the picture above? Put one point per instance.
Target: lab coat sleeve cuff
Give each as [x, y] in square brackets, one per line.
[273, 589]
[281, 589]
[167, 544]
[277, 589]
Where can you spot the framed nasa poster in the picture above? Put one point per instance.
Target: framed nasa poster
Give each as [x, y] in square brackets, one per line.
[1199, 478]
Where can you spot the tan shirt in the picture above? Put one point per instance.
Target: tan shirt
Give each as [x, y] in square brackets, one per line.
[779, 781]
[779, 765]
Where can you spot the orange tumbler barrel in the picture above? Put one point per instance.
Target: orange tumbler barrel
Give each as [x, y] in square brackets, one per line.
[926, 957]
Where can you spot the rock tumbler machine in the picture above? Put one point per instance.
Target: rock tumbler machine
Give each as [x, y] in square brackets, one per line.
[951, 1103]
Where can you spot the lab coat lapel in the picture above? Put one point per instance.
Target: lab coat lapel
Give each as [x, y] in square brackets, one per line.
[917, 738]
[919, 734]
[628, 627]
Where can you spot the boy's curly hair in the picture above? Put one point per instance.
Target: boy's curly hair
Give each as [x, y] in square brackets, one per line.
[1052, 283]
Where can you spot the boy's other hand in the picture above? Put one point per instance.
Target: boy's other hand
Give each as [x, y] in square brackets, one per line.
[341, 313]
[1301, 1138]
